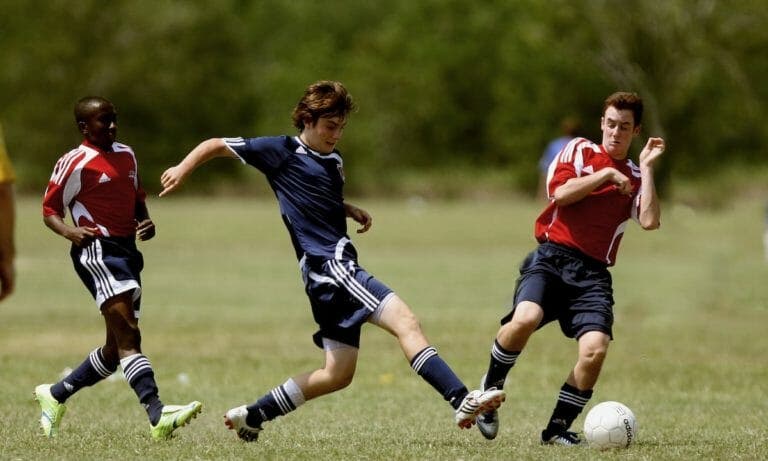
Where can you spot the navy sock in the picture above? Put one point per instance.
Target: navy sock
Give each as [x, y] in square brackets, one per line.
[278, 402]
[570, 403]
[502, 361]
[436, 372]
[91, 371]
[140, 376]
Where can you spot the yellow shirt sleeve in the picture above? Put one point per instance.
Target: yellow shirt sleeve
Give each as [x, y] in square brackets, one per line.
[6, 169]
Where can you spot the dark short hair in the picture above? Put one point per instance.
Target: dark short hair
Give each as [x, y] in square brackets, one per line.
[325, 98]
[85, 106]
[623, 100]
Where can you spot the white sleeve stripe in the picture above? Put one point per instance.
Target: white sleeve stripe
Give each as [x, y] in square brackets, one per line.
[62, 166]
[231, 143]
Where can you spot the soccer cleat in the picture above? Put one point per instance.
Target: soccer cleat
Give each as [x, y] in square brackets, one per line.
[477, 402]
[52, 410]
[564, 438]
[235, 420]
[488, 422]
[173, 417]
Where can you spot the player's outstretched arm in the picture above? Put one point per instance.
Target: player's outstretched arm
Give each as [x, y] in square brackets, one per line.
[174, 176]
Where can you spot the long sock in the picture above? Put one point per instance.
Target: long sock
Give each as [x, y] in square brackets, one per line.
[502, 361]
[436, 372]
[138, 371]
[278, 402]
[91, 371]
[570, 403]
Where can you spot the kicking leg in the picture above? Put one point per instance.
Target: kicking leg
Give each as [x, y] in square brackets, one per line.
[397, 318]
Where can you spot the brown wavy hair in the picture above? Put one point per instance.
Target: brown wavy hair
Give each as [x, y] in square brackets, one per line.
[325, 98]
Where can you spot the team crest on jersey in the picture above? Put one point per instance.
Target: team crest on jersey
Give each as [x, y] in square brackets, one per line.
[341, 172]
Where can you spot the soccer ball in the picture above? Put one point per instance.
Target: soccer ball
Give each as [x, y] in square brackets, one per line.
[610, 425]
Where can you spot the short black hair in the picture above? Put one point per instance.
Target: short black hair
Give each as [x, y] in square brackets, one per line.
[85, 106]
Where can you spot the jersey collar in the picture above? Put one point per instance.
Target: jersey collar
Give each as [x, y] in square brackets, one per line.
[97, 148]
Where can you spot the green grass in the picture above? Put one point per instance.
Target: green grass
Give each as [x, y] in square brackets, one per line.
[223, 304]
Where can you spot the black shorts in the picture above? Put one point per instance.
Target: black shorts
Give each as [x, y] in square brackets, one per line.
[569, 286]
[108, 267]
[343, 296]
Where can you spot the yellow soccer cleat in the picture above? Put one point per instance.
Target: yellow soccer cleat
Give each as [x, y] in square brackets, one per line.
[173, 417]
[52, 410]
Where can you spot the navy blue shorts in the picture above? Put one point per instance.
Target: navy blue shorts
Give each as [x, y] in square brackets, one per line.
[570, 287]
[343, 296]
[108, 267]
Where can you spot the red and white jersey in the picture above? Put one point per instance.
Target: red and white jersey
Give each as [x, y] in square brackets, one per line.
[100, 189]
[595, 224]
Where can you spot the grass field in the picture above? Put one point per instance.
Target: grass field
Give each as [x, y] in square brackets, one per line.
[225, 319]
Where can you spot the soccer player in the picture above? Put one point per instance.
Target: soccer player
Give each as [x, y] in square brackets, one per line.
[306, 174]
[593, 192]
[7, 222]
[98, 182]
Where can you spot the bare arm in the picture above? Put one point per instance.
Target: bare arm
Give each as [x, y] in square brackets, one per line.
[650, 211]
[576, 189]
[174, 176]
[145, 228]
[7, 246]
[80, 236]
[360, 216]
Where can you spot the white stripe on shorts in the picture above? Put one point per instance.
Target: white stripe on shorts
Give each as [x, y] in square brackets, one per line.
[106, 285]
[354, 287]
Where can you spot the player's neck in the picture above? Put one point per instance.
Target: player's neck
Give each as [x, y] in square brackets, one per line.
[308, 144]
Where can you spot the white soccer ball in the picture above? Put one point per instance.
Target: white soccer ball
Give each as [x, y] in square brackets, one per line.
[610, 425]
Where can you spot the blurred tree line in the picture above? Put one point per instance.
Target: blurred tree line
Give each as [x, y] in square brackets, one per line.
[441, 85]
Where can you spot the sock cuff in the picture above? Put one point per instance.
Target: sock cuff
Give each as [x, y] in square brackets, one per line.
[135, 366]
[418, 360]
[502, 355]
[573, 396]
[96, 357]
[294, 392]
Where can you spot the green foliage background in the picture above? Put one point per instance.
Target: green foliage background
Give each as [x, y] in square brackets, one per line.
[442, 85]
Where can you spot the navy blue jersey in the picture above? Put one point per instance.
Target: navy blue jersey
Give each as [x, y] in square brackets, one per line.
[309, 187]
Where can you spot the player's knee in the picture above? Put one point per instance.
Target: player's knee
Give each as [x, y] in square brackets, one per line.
[405, 324]
[527, 316]
[110, 354]
[340, 380]
[594, 356]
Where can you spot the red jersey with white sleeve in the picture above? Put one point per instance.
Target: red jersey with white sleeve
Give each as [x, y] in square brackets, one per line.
[595, 224]
[100, 188]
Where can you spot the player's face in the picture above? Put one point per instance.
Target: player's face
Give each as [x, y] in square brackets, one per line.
[100, 127]
[618, 131]
[323, 135]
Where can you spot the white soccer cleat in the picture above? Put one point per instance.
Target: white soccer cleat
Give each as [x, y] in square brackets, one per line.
[235, 418]
[477, 402]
